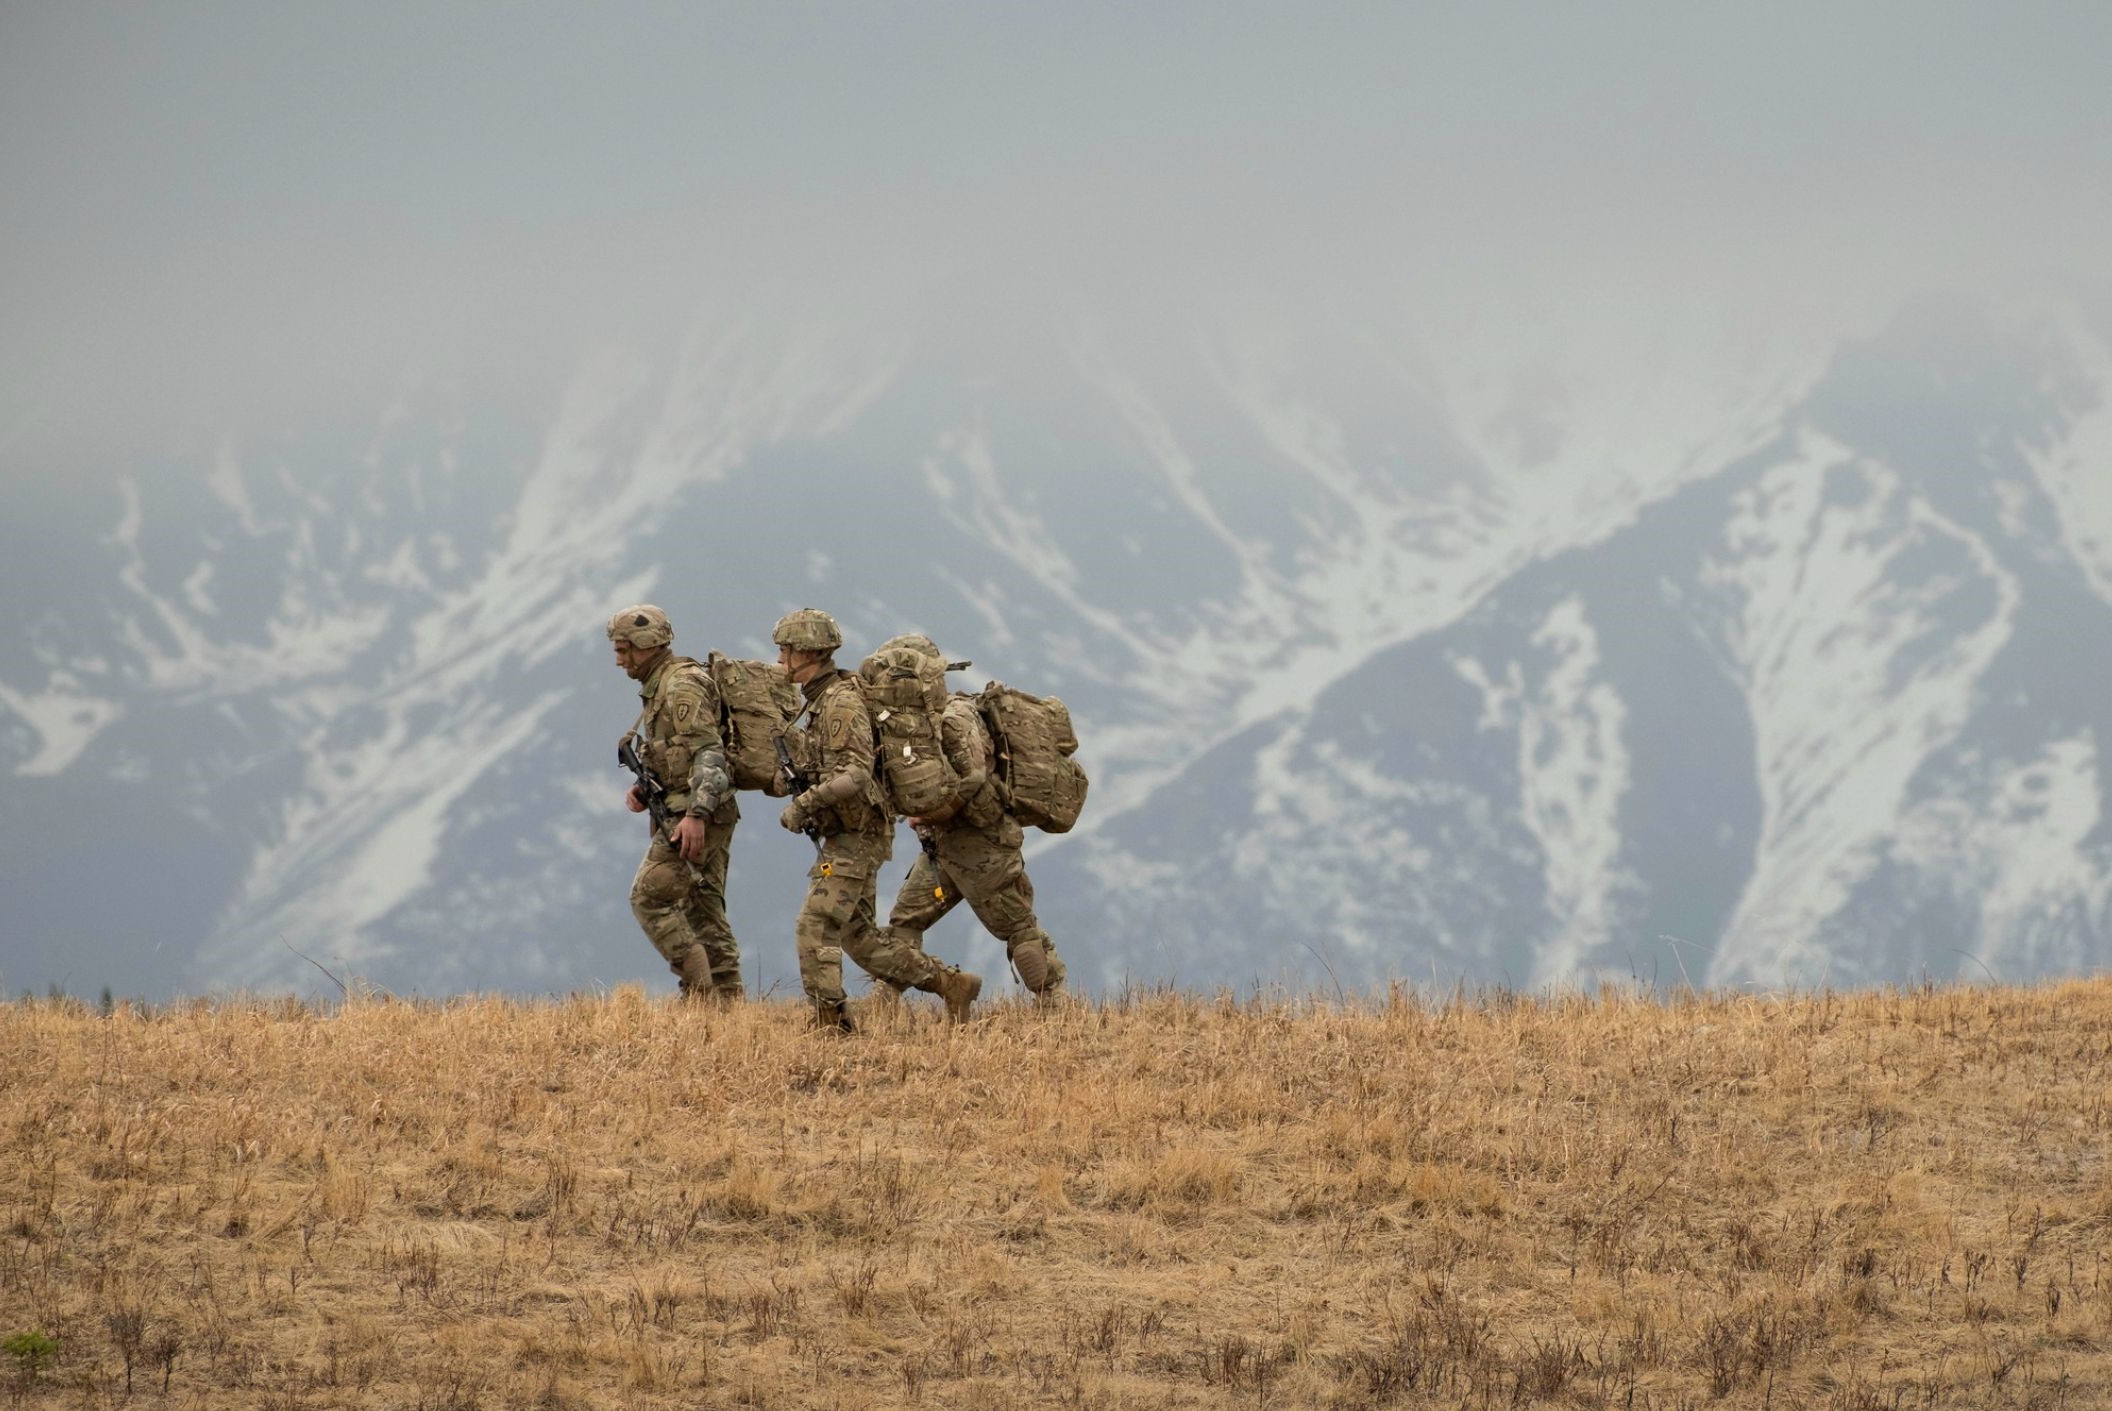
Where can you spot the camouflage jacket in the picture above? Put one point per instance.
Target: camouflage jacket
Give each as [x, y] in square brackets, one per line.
[678, 738]
[835, 750]
[969, 749]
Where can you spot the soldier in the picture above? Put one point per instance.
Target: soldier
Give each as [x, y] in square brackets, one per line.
[844, 809]
[972, 852]
[679, 894]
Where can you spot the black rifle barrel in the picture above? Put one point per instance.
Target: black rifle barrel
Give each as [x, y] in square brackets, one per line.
[796, 783]
[649, 789]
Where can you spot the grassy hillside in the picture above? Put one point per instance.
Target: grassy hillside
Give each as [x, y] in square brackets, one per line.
[1880, 1200]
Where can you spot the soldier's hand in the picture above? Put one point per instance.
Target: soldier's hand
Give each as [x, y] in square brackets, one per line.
[794, 818]
[632, 802]
[688, 837]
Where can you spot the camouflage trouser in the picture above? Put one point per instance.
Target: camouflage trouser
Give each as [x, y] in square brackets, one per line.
[838, 918]
[990, 875]
[682, 909]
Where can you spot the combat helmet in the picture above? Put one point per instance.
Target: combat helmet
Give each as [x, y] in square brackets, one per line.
[808, 630]
[922, 645]
[643, 626]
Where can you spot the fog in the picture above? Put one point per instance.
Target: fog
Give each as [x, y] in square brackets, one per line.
[250, 216]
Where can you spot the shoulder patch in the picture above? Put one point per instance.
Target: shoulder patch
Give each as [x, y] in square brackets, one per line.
[682, 703]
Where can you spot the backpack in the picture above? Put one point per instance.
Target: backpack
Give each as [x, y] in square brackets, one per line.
[756, 702]
[906, 690]
[1034, 741]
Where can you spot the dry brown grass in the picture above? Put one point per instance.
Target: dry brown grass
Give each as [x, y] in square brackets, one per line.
[1882, 1200]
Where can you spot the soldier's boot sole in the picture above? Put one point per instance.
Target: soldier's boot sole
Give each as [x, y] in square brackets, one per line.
[1033, 967]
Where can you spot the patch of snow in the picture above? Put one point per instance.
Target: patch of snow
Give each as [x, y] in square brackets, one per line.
[198, 589]
[180, 659]
[1823, 622]
[400, 571]
[978, 504]
[64, 719]
[1499, 699]
[1323, 815]
[2076, 473]
[229, 487]
[131, 517]
[1163, 450]
[361, 840]
[1122, 872]
[1573, 771]
[1610, 414]
[595, 793]
[987, 603]
[2018, 856]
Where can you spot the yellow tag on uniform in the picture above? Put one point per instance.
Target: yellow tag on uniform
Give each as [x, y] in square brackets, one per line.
[828, 869]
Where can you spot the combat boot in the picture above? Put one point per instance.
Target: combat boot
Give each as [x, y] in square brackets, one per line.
[693, 974]
[956, 986]
[831, 1016]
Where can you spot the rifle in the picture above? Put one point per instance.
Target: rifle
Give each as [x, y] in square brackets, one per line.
[796, 783]
[651, 790]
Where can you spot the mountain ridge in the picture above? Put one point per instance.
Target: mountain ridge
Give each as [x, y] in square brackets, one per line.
[1353, 646]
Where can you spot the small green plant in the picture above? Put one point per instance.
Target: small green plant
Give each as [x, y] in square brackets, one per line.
[32, 1352]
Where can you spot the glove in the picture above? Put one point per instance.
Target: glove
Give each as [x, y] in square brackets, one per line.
[794, 818]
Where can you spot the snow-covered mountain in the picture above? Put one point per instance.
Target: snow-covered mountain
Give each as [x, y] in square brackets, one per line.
[1695, 654]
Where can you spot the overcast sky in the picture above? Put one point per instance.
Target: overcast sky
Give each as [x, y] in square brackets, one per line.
[218, 211]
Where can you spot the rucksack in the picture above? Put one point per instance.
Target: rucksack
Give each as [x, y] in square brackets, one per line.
[1034, 741]
[906, 690]
[757, 701]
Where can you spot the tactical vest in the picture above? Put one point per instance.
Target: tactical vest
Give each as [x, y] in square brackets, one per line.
[668, 724]
[838, 735]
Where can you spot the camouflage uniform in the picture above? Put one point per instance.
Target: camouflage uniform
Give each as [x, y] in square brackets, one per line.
[680, 905]
[973, 855]
[972, 850]
[846, 810]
